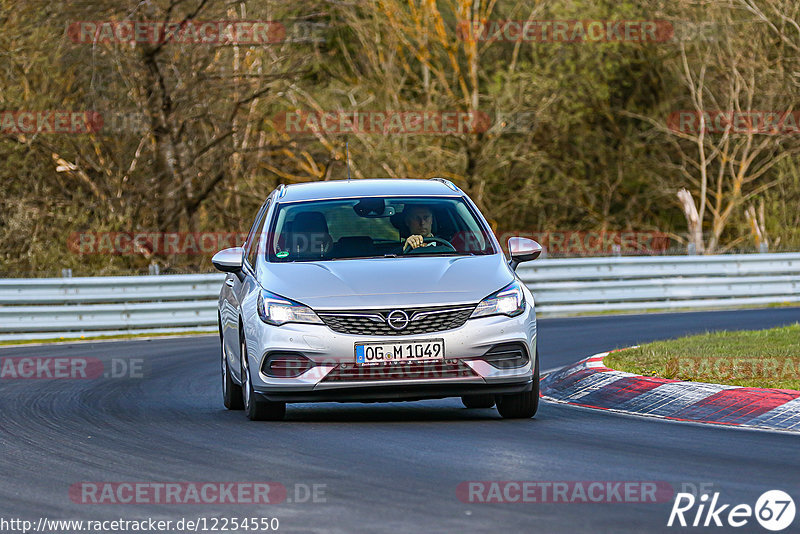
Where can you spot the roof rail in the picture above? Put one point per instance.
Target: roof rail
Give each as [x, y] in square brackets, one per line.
[281, 190]
[448, 183]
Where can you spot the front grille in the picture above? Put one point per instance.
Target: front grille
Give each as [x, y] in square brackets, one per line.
[399, 371]
[373, 322]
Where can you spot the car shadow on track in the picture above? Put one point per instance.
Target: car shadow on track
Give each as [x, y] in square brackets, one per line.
[418, 411]
[386, 412]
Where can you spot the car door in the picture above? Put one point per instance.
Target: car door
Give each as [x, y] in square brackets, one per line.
[236, 288]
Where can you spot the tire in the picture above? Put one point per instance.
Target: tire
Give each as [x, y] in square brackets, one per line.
[257, 410]
[478, 401]
[521, 405]
[231, 391]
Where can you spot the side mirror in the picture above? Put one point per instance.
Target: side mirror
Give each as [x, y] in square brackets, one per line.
[229, 260]
[522, 249]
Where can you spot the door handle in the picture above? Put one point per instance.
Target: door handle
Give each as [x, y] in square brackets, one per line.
[229, 282]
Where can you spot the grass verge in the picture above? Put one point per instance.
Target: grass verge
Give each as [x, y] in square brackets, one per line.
[677, 310]
[103, 338]
[752, 358]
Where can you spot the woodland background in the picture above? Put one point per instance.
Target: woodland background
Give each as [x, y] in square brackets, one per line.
[595, 152]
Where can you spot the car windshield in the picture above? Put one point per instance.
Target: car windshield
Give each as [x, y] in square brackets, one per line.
[375, 227]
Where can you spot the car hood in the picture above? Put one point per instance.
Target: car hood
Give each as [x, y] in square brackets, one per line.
[388, 282]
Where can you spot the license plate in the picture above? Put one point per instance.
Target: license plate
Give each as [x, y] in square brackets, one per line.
[417, 351]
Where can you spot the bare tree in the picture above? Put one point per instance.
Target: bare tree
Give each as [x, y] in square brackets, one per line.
[733, 84]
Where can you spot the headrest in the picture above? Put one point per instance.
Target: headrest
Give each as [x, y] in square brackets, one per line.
[398, 221]
[310, 222]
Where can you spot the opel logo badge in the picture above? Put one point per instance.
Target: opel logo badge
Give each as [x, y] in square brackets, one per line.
[398, 319]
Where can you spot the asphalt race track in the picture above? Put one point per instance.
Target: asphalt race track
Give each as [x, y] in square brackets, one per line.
[385, 467]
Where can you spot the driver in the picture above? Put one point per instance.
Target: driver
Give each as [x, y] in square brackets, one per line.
[419, 220]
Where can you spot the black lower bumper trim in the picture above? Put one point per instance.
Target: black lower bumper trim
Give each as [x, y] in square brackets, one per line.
[401, 392]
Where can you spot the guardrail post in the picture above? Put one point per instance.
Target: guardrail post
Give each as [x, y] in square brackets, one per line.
[66, 273]
[154, 269]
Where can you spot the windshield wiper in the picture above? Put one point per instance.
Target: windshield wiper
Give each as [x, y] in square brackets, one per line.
[448, 253]
[360, 257]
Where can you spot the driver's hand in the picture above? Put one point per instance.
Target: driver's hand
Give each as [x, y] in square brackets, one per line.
[414, 241]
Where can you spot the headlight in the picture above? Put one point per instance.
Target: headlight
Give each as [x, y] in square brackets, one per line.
[276, 310]
[508, 301]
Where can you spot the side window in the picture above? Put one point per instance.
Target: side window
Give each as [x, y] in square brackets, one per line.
[255, 236]
[253, 227]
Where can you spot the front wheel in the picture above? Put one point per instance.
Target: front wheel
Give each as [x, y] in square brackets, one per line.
[257, 410]
[521, 405]
[231, 391]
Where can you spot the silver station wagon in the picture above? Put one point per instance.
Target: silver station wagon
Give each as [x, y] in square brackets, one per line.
[376, 290]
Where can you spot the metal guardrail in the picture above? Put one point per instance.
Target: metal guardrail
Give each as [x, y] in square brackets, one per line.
[42, 308]
[586, 285]
[74, 307]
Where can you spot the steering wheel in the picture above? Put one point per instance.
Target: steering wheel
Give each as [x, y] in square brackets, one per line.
[438, 240]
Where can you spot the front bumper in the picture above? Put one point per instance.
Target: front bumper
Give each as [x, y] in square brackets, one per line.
[397, 392]
[330, 351]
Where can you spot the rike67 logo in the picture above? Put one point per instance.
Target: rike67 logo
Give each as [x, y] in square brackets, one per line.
[774, 510]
